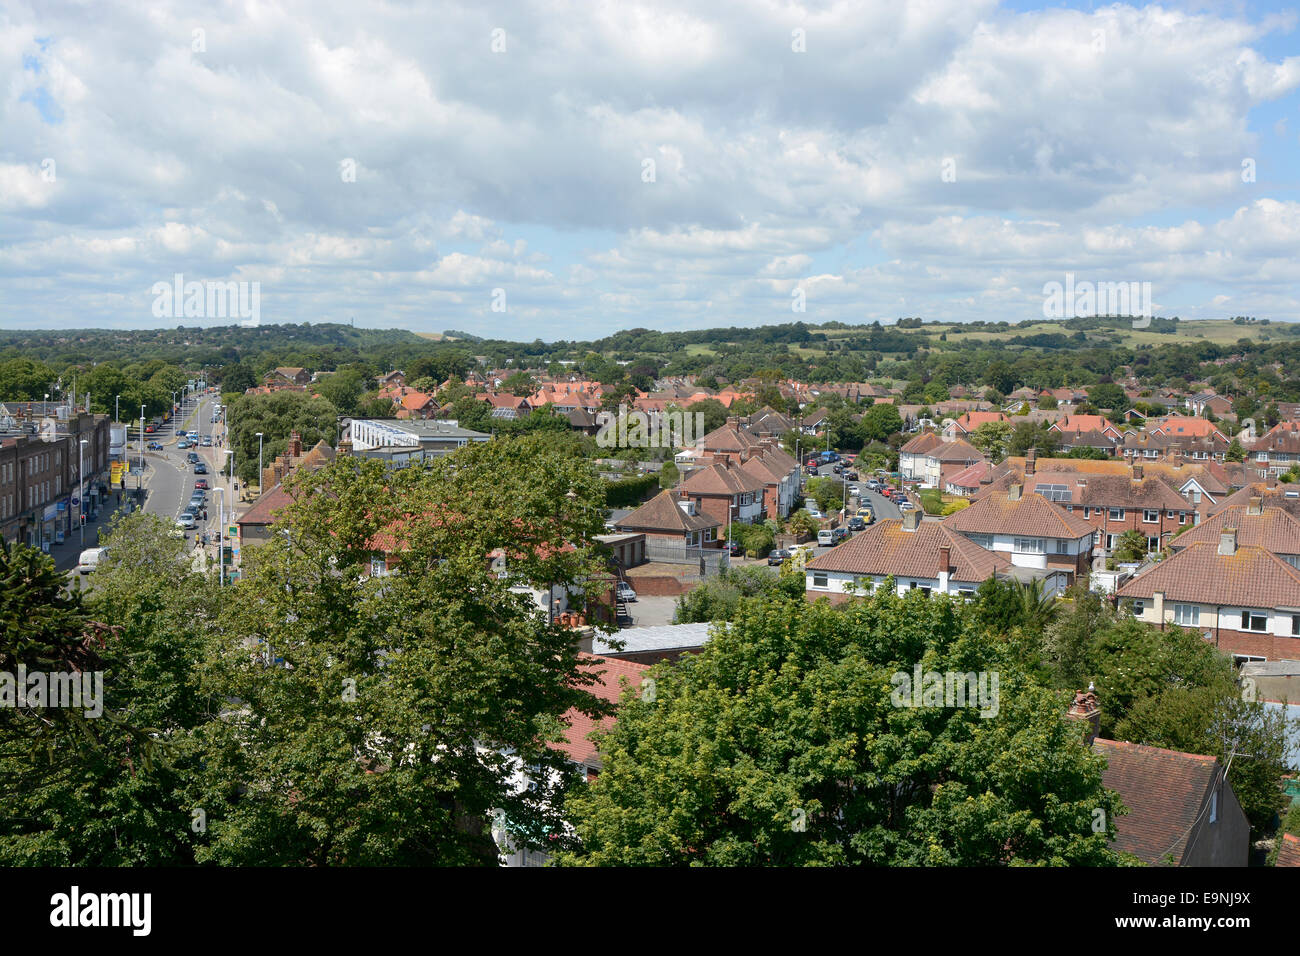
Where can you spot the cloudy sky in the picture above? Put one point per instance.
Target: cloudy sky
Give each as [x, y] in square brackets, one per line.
[564, 170]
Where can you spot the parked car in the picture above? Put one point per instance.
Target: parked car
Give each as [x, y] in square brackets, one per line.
[778, 557]
[735, 550]
[840, 534]
[185, 521]
[851, 475]
[811, 508]
[625, 591]
[154, 446]
[837, 468]
[200, 468]
[202, 484]
[182, 444]
[150, 429]
[826, 538]
[207, 441]
[856, 523]
[90, 559]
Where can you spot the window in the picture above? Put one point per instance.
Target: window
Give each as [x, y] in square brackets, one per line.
[1116, 514]
[1087, 512]
[1214, 806]
[1295, 625]
[1029, 545]
[1153, 542]
[1253, 622]
[1188, 615]
[1182, 517]
[1138, 607]
[1150, 516]
[983, 540]
[1062, 546]
[819, 579]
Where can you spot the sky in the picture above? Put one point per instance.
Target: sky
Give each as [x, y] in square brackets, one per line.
[566, 170]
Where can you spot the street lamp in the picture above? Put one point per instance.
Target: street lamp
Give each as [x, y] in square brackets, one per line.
[117, 410]
[81, 491]
[139, 478]
[221, 526]
[259, 463]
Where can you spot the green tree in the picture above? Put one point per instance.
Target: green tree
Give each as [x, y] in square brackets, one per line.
[991, 438]
[783, 743]
[880, 421]
[406, 702]
[1131, 546]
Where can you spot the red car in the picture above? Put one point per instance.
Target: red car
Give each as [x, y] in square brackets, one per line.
[201, 484]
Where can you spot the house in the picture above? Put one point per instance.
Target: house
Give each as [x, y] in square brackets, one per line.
[395, 378]
[914, 456]
[507, 406]
[1113, 496]
[1030, 530]
[725, 491]
[1182, 808]
[779, 475]
[814, 422]
[1275, 530]
[915, 553]
[1277, 451]
[1286, 497]
[967, 481]
[1243, 599]
[287, 376]
[1079, 424]
[255, 524]
[613, 678]
[674, 529]
[970, 421]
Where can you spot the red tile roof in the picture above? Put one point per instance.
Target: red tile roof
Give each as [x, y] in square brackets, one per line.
[1250, 578]
[1273, 529]
[1032, 515]
[886, 548]
[614, 676]
[1165, 792]
[1289, 853]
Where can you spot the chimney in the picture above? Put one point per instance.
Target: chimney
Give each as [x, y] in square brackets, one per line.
[1256, 506]
[1228, 542]
[912, 520]
[1013, 493]
[295, 445]
[1086, 709]
[1137, 472]
[945, 558]
[345, 447]
[1031, 461]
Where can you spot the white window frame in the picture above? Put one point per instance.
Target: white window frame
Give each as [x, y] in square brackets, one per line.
[1187, 615]
[1147, 513]
[1248, 618]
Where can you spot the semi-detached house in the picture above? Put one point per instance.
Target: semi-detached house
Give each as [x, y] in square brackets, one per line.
[1243, 599]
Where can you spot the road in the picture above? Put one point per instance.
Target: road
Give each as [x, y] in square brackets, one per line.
[167, 481]
[880, 506]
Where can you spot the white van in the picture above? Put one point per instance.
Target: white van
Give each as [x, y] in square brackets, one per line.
[90, 559]
[825, 538]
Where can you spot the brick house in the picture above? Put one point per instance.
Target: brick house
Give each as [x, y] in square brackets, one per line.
[1031, 531]
[1244, 599]
[725, 491]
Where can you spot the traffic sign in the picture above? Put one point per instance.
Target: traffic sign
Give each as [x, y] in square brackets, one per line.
[76, 500]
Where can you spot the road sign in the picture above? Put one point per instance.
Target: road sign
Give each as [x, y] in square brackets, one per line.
[76, 500]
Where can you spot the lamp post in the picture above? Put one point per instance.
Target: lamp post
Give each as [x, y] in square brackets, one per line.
[139, 478]
[259, 463]
[221, 527]
[81, 491]
[117, 409]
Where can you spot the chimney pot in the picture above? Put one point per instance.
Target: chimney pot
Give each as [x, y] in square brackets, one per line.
[911, 520]
[1228, 542]
[1256, 506]
[1086, 709]
[1137, 472]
